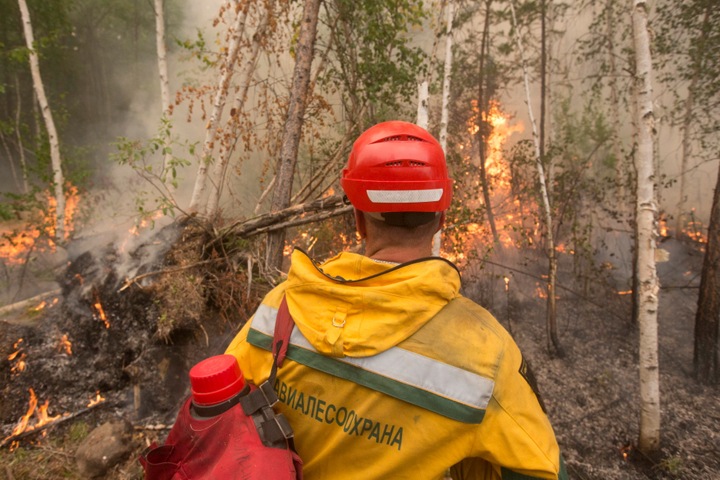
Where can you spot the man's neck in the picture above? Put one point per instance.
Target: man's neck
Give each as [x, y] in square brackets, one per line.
[397, 254]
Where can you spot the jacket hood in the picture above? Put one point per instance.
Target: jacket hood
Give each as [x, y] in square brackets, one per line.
[354, 306]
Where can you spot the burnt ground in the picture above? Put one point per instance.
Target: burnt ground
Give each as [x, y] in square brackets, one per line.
[139, 363]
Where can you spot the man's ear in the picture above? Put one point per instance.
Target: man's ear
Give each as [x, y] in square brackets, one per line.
[360, 223]
[441, 222]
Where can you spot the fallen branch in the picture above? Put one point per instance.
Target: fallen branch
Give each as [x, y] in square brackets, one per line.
[131, 281]
[28, 302]
[330, 206]
[34, 430]
[302, 221]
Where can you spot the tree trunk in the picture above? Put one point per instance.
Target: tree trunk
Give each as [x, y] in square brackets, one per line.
[18, 136]
[58, 178]
[162, 56]
[163, 72]
[707, 317]
[299, 93]
[484, 128]
[422, 106]
[447, 74]
[553, 341]
[649, 439]
[197, 201]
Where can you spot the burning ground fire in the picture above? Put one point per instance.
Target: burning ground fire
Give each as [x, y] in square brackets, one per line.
[42, 418]
[17, 358]
[17, 243]
[100, 311]
[37, 415]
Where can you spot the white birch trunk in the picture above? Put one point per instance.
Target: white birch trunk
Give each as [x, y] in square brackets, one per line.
[162, 56]
[162, 71]
[58, 178]
[444, 114]
[543, 185]
[198, 195]
[447, 72]
[646, 214]
[423, 121]
[422, 107]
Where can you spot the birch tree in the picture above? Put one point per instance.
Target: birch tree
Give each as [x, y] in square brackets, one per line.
[423, 115]
[198, 200]
[58, 178]
[163, 73]
[483, 103]
[292, 130]
[445, 106]
[447, 74]
[162, 56]
[646, 215]
[551, 320]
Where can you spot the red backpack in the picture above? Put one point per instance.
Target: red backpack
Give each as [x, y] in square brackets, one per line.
[227, 429]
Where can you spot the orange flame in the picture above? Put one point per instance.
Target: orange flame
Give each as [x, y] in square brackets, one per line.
[101, 311]
[17, 243]
[72, 199]
[625, 451]
[25, 419]
[135, 230]
[41, 413]
[64, 345]
[18, 356]
[510, 228]
[39, 306]
[98, 399]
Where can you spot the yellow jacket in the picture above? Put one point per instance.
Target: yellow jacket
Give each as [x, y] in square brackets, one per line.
[392, 374]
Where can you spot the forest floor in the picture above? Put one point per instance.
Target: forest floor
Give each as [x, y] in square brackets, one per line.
[591, 392]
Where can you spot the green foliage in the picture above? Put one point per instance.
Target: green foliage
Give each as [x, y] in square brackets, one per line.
[672, 465]
[157, 163]
[198, 49]
[374, 63]
[688, 62]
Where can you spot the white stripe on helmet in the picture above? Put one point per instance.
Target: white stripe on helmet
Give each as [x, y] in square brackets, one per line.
[405, 196]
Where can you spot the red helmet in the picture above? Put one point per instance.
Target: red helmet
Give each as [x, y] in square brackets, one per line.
[397, 167]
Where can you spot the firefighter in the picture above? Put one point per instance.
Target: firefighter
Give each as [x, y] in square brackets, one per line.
[391, 373]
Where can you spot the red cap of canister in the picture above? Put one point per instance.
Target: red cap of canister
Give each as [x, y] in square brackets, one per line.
[215, 380]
